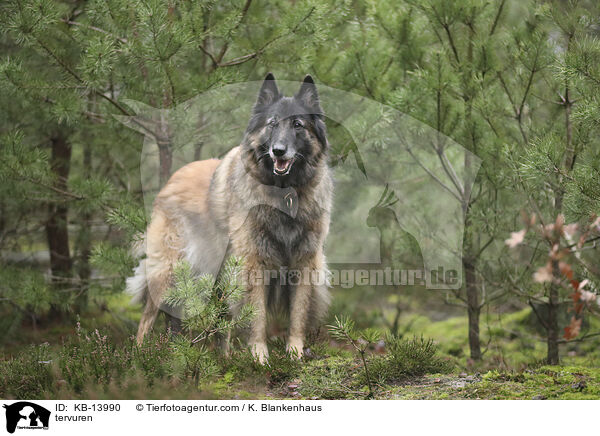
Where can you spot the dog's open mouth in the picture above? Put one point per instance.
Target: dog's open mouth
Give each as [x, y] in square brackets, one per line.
[281, 167]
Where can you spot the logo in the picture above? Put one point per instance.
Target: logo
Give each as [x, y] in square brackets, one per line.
[26, 415]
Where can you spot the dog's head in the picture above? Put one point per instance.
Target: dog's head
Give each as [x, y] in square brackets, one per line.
[285, 142]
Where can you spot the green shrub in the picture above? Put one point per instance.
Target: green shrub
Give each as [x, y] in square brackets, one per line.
[344, 330]
[192, 361]
[282, 365]
[206, 301]
[29, 375]
[408, 358]
[73, 367]
[92, 356]
[153, 358]
[332, 379]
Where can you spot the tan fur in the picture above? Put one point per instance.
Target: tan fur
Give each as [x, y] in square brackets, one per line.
[189, 186]
[187, 190]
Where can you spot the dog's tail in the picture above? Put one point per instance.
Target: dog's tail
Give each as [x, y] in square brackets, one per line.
[137, 285]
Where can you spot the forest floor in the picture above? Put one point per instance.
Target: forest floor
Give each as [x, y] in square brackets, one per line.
[545, 383]
[338, 377]
[103, 362]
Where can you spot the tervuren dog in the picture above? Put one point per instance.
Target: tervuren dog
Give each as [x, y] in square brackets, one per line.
[268, 201]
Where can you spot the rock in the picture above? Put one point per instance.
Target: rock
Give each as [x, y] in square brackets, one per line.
[458, 384]
[308, 354]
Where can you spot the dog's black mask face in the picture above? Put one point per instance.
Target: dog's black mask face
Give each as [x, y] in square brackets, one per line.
[285, 140]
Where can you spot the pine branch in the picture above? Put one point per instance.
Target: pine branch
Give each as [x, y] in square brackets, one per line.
[241, 20]
[245, 58]
[497, 17]
[94, 28]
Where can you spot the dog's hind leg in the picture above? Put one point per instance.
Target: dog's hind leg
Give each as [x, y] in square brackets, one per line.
[162, 250]
[147, 320]
[158, 282]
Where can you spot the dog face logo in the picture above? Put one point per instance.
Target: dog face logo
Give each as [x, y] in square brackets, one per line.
[26, 415]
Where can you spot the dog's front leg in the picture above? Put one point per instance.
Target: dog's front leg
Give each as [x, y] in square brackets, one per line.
[309, 300]
[299, 310]
[258, 326]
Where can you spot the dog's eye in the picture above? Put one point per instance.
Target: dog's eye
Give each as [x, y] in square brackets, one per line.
[298, 124]
[272, 122]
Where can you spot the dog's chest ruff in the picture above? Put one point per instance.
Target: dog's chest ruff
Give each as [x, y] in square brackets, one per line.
[284, 237]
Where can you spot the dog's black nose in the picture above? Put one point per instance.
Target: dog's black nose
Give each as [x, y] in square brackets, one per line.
[279, 150]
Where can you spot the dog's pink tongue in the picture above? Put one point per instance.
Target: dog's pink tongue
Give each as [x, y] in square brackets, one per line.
[281, 164]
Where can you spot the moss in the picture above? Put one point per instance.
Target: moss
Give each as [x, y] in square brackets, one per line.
[547, 382]
[509, 341]
[333, 377]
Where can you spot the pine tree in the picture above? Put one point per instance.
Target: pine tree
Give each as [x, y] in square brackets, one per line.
[207, 301]
[556, 167]
[443, 63]
[65, 72]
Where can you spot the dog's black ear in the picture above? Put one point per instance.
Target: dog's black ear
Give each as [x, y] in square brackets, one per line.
[309, 97]
[269, 93]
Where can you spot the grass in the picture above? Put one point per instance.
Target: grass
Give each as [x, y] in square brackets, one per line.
[94, 365]
[100, 360]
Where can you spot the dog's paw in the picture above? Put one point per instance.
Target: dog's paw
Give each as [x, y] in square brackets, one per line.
[295, 347]
[260, 352]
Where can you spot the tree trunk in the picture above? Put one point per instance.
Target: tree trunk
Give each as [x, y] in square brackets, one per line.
[165, 161]
[198, 150]
[165, 150]
[568, 163]
[473, 309]
[57, 232]
[552, 321]
[84, 242]
[469, 264]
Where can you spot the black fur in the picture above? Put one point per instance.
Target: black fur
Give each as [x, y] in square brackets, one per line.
[274, 116]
